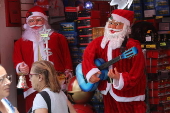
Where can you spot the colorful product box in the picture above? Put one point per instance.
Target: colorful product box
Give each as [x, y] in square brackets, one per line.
[71, 37]
[157, 92]
[157, 62]
[85, 40]
[155, 69]
[135, 7]
[85, 32]
[85, 23]
[156, 54]
[162, 11]
[74, 49]
[138, 14]
[148, 0]
[136, 1]
[68, 26]
[156, 84]
[161, 3]
[149, 5]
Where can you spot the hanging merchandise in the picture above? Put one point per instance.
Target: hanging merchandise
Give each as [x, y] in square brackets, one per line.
[42, 3]
[56, 11]
[22, 84]
[121, 3]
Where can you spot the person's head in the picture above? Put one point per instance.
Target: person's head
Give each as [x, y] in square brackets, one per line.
[140, 29]
[5, 82]
[118, 27]
[35, 18]
[43, 74]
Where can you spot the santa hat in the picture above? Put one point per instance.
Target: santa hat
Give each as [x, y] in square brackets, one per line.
[35, 11]
[124, 16]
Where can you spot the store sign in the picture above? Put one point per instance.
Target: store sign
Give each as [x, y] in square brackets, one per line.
[121, 3]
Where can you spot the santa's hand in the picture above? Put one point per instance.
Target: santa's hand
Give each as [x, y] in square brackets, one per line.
[114, 73]
[24, 69]
[68, 73]
[94, 78]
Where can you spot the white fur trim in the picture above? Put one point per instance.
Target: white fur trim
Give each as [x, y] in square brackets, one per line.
[37, 14]
[25, 26]
[91, 72]
[104, 92]
[121, 19]
[28, 92]
[109, 53]
[17, 67]
[41, 46]
[118, 84]
[127, 99]
[35, 49]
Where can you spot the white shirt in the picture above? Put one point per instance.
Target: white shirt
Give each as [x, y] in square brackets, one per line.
[58, 102]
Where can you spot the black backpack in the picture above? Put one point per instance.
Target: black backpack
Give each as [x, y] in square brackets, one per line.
[47, 99]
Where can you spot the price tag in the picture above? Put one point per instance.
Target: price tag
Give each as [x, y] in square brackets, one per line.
[148, 38]
[163, 44]
[168, 98]
[44, 35]
[151, 46]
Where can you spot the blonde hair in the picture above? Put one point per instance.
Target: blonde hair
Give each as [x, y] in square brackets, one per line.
[47, 69]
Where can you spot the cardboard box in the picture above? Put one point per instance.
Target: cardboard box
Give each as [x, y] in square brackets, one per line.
[164, 26]
[97, 32]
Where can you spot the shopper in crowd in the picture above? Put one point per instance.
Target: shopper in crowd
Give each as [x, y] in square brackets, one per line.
[42, 77]
[31, 47]
[5, 82]
[125, 92]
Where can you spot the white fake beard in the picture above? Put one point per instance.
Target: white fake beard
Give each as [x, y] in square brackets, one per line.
[115, 39]
[33, 34]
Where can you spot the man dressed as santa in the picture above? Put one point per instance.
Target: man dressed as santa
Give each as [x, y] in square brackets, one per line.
[126, 92]
[31, 48]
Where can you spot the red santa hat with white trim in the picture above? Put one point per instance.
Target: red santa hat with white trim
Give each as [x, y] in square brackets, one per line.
[124, 16]
[35, 11]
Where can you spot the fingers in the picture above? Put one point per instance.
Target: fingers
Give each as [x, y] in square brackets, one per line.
[22, 64]
[24, 68]
[98, 72]
[115, 69]
[94, 79]
[113, 73]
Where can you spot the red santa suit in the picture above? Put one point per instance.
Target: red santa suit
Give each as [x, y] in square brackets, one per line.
[132, 83]
[26, 50]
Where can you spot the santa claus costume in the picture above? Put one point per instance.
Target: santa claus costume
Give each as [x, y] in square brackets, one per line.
[28, 49]
[127, 94]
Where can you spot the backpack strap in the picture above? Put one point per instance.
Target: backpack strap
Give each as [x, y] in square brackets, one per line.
[47, 99]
